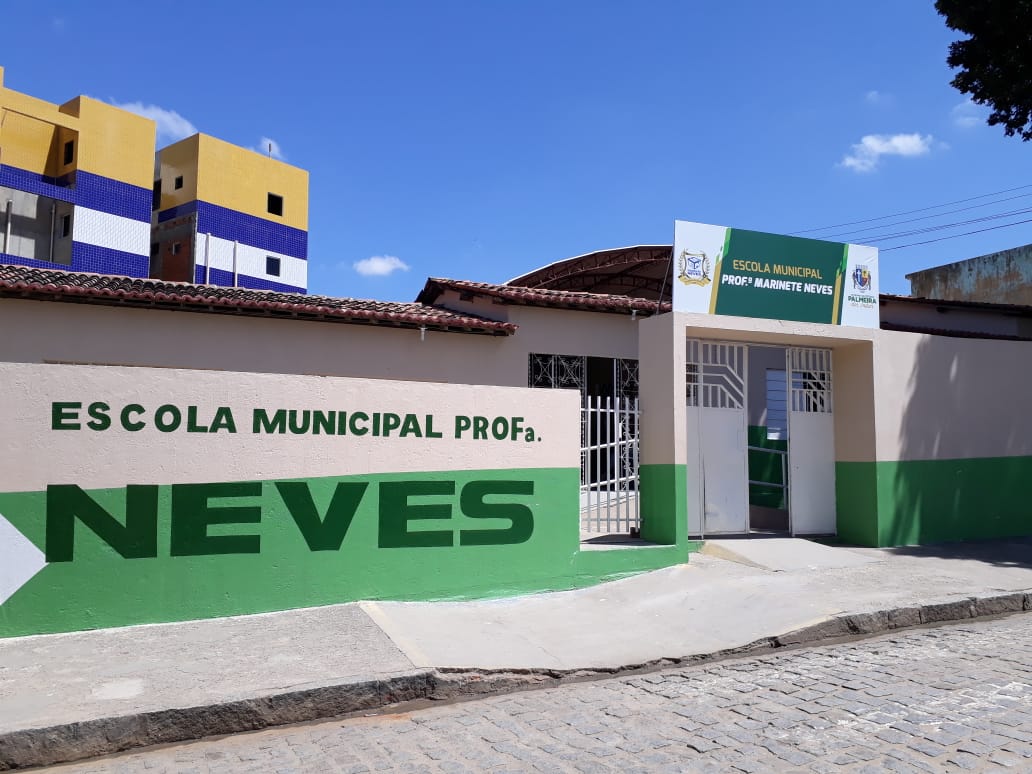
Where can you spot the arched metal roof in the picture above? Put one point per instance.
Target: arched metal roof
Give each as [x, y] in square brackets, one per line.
[640, 271]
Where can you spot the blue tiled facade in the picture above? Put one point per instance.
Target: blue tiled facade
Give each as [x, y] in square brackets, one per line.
[225, 279]
[41, 185]
[91, 258]
[84, 189]
[236, 226]
[113, 196]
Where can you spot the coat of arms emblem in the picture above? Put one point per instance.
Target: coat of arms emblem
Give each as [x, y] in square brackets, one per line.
[862, 278]
[693, 268]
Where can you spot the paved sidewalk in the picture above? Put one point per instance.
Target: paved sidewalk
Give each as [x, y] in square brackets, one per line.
[75, 695]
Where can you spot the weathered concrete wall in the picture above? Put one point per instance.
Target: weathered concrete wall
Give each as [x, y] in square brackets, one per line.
[954, 318]
[1000, 278]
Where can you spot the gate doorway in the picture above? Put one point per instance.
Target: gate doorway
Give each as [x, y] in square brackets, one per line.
[760, 436]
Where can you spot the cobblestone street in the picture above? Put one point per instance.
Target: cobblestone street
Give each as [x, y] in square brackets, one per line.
[951, 698]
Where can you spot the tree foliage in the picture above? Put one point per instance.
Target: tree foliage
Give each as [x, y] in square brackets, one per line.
[995, 61]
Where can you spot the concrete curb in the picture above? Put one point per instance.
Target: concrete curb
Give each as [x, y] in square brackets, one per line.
[104, 736]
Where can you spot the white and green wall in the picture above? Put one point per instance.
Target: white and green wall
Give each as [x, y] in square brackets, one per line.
[139, 495]
[949, 450]
[933, 440]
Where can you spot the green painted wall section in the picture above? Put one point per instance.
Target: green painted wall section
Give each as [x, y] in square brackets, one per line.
[764, 466]
[279, 569]
[931, 501]
[856, 502]
[663, 506]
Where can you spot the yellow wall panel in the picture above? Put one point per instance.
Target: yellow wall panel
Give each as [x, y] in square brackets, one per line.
[115, 143]
[240, 179]
[178, 159]
[27, 143]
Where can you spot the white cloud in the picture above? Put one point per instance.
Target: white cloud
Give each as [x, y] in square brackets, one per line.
[380, 266]
[172, 127]
[966, 115]
[865, 155]
[269, 147]
[874, 97]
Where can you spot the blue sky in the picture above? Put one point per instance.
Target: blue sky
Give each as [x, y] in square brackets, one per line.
[480, 140]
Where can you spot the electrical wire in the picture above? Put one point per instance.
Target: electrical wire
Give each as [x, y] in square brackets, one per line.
[851, 236]
[954, 236]
[941, 227]
[912, 212]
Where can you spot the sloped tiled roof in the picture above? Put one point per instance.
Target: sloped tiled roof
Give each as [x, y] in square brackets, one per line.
[560, 299]
[47, 284]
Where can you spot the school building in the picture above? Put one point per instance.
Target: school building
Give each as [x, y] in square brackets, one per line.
[215, 446]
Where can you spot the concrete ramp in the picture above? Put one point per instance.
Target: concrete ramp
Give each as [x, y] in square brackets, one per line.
[785, 554]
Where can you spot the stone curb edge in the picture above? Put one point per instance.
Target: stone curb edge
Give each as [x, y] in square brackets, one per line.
[104, 736]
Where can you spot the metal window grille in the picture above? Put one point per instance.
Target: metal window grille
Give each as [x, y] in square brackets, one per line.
[626, 377]
[810, 389]
[715, 375]
[563, 372]
[609, 465]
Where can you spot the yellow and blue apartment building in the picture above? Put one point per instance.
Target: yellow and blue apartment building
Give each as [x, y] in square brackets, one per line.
[82, 189]
[74, 185]
[225, 215]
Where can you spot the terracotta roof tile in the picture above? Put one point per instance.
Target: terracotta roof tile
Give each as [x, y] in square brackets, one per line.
[561, 299]
[27, 282]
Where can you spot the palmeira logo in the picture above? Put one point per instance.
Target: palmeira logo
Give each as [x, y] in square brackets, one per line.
[862, 278]
[693, 268]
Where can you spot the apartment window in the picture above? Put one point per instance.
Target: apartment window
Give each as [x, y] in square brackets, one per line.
[179, 182]
[155, 248]
[156, 200]
[69, 152]
[272, 265]
[275, 204]
[176, 247]
[66, 225]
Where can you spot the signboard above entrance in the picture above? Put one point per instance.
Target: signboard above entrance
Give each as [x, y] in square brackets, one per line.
[722, 270]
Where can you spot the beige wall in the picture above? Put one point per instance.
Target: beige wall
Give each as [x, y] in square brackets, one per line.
[34, 454]
[86, 333]
[557, 331]
[948, 398]
[661, 361]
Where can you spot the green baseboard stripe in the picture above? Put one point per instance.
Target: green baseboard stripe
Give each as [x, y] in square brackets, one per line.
[856, 502]
[597, 566]
[663, 506]
[932, 501]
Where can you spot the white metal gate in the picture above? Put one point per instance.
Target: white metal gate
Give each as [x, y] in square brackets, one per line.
[609, 465]
[811, 444]
[718, 472]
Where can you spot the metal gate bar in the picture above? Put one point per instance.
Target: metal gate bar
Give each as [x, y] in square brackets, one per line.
[609, 465]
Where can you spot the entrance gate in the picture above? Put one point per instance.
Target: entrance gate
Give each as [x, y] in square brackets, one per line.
[811, 442]
[717, 460]
[717, 454]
